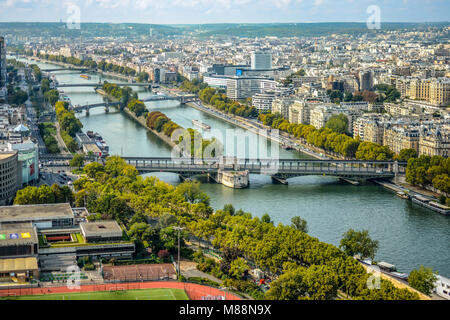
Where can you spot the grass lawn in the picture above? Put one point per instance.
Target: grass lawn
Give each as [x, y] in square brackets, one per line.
[144, 294]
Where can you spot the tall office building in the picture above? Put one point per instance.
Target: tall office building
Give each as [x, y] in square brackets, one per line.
[261, 61]
[365, 80]
[2, 62]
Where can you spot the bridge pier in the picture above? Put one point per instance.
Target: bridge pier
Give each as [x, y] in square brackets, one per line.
[87, 111]
[353, 182]
[278, 180]
[107, 109]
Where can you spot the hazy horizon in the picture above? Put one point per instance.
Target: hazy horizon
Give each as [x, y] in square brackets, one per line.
[191, 12]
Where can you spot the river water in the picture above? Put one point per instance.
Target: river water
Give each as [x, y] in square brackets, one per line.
[408, 235]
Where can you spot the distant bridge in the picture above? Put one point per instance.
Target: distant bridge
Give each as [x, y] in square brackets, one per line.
[128, 84]
[181, 99]
[280, 170]
[68, 68]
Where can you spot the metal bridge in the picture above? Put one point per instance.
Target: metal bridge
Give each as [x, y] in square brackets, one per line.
[68, 69]
[279, 170]
[128, 84]
[181, 99]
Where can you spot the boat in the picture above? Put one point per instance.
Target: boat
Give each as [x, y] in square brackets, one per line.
[402, 195]
[201, 124]
[85, 76]
[429, 204]
[387, 266]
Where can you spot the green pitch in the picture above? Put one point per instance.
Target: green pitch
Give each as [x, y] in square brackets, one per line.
[144, 294]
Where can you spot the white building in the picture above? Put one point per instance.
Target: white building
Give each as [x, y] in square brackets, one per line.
[282, 105]
[299, 112]
[261, 61]
[263, 101]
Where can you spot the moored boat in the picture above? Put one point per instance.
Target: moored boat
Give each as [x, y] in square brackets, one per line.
[402, 195]
[429, 204]
[201, 124]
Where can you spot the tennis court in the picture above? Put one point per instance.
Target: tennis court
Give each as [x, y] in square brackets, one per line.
[116, 294]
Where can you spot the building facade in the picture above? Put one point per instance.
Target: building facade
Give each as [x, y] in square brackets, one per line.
[10, 176]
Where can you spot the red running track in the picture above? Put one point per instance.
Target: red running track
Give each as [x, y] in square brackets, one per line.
[193, 290]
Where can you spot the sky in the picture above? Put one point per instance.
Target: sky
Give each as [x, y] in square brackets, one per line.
[223, 11]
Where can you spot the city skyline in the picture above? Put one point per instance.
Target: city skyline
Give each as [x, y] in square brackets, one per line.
[223, 11]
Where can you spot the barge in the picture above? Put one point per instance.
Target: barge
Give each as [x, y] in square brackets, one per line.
[201, 124]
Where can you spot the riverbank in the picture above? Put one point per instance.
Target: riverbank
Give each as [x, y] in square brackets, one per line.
[142, 122]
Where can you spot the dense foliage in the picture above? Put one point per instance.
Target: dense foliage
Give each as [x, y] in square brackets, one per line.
[137, 107]
[69, 125]
[423, 280]
[429, 171]
[122, 94]
[44, 195]
[188, 140]
[48, 132]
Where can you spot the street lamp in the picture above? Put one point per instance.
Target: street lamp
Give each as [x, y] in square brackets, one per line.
[179, 229]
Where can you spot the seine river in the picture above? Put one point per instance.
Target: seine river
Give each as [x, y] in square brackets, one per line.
[409, 235]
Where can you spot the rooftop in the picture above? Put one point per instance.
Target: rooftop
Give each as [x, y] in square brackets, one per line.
[5, 155]
[108, 228]
[8, 265]
[35, 212]
[17, 234]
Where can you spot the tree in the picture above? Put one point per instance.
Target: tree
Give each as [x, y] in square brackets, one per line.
[321, 282]
[192, 193]
[299, 224]
[229, 209]
[358, 242]
[289, 286]
[338, 123]
[266, 218]
[93, 168]
[406, 154]
[238, 268]
[52, 96]
[423, 280]
[77, 161]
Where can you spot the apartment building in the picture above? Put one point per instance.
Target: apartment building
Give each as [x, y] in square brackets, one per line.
[282, 105]
[434, 143]
[263, 101]
[299, 112]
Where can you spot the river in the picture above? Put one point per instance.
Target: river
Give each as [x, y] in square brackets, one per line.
[408, 235]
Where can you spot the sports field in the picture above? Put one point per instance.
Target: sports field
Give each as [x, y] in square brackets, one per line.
[142, 294]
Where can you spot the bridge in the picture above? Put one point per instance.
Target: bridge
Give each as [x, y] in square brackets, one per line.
[68, 68]
[128, 84]
[181, 99]
[280, 170]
